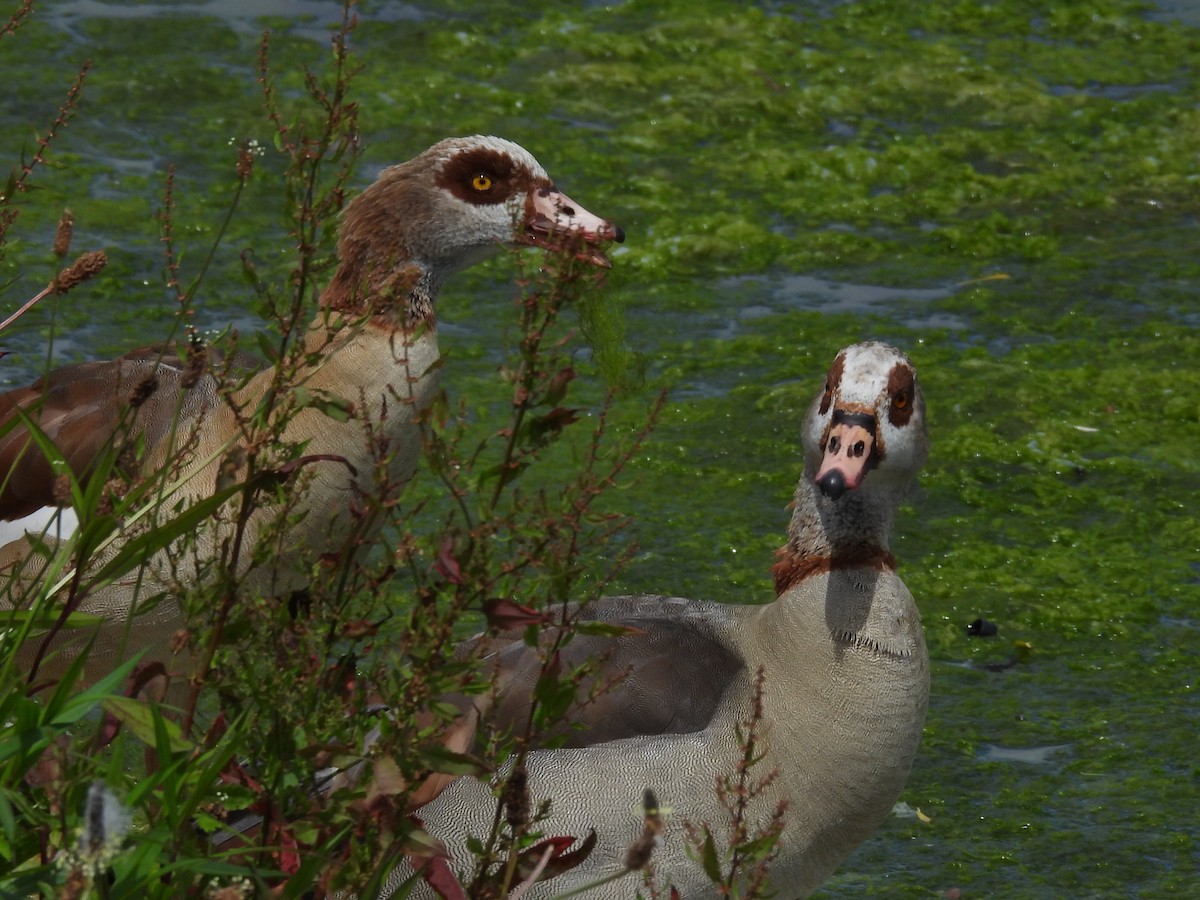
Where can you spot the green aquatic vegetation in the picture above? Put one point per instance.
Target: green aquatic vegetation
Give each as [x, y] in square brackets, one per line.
[873, 143]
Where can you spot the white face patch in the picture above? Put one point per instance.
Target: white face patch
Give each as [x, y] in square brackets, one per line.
[865, 374]
[861, 382]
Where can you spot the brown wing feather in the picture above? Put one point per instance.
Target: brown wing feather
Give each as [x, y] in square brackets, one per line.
[667, 676]
[84, 409]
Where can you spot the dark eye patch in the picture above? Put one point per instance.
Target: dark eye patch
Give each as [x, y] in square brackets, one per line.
[832, 380]
[508, 179]
[902, 382]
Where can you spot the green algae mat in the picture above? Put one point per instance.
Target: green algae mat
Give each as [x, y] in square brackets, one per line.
[1008, 191]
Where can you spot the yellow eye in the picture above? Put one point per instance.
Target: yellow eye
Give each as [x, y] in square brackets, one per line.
[482, 182]
[900, 401]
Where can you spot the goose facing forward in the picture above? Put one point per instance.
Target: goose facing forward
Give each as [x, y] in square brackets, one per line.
[373, 344]
[846, 673]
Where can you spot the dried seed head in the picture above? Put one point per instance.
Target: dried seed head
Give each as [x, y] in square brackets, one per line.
[246, 152]
[516, 799]
[62, 237]
[87, 265]
[179, 641]
[128, 456]
[638, 854]
[197, 362]
[61, 492]
[143, 390]
[108, 497]
[245, 164]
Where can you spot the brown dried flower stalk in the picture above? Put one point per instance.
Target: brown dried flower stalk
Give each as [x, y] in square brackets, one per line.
[86, 266]
[62, 237]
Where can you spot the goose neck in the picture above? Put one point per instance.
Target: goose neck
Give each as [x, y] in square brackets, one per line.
[400, 296]
[826, 535]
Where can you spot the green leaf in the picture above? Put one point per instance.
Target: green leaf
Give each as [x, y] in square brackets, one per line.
[759, 847]
[137, 551]
[505, 472]
[708, 858]
[383, 872]
[337, 408]
[266, 347]
[8, 822]
[605, 629]
[67, 707]
[208, 823]
[39, 618]
[439, 759]
[139, 718]
[305, 832]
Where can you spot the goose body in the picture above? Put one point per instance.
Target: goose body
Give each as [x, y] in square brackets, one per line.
[841, 648]
[372, 347]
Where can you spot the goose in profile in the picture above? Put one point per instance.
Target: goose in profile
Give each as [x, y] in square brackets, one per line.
[845, 676]
[372, 350]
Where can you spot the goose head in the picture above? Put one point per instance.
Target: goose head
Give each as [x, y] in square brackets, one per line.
[868, 419]
[457, 203]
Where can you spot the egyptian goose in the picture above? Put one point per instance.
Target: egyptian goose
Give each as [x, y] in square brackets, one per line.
[373, 345]
[845, 687]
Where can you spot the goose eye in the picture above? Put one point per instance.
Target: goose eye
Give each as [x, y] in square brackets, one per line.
[482, 182]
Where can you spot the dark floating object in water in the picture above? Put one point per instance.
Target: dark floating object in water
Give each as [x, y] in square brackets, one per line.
[1001, 666]
[982, 628]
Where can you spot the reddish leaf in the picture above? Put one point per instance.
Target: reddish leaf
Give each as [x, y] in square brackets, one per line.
[428, 858]
[151, 674]
[556, 389]
[359, 628]
[505, 614]
[289, 855]
[47, 770]
[563, 859]
[217, 729]
[446, 565]
[288, 468]
[541, 428]
[436, 873]
[110, 726]
[235, 773]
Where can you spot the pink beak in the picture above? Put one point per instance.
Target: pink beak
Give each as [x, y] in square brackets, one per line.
[849, 454]
[553, 213]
